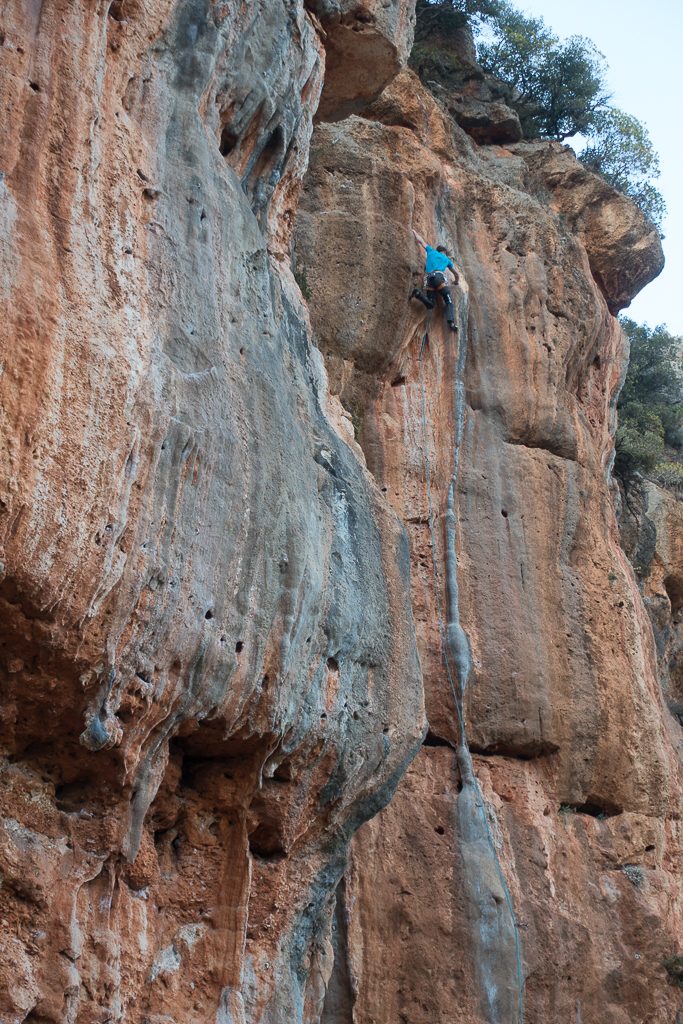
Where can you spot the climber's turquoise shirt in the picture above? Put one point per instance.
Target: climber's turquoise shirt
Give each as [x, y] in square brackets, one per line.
[436, 261]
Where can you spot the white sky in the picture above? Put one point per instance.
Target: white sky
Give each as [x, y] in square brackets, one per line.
[643, 45]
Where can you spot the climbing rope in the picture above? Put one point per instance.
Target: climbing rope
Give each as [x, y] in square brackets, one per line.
[464, 753]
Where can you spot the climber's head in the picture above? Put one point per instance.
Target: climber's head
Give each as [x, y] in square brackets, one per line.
[443, 249]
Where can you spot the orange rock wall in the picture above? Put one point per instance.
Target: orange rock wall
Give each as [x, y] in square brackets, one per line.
[222, 586]
[576, 757]
[208, 679]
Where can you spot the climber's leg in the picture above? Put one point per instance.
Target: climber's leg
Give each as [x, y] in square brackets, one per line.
[449, 308]
[427, 298]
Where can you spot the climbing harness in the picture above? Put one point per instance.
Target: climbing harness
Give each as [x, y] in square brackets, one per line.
[447, 640]
[436, 285]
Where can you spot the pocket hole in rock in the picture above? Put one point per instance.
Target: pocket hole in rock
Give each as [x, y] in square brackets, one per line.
[228, 142]
[116, 10]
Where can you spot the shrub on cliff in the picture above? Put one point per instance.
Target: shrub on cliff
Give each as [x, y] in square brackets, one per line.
[670, 475]
[443, 29]
[560, 85]
[444, 19]
[557, 88]
[639, 442]
[650, 432]
[620, 150]
[674, 968]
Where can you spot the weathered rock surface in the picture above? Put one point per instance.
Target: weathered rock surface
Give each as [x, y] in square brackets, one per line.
[200, 580]
[651, 525]
[367, 42]
[479, 103]
[623, 247]
[226, 562]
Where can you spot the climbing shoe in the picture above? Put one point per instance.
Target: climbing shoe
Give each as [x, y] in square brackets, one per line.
[453, 326]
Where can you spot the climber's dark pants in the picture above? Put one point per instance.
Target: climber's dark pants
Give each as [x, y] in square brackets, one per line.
[436, 285]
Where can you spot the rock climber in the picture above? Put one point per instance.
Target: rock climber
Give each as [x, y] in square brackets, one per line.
[437, 262]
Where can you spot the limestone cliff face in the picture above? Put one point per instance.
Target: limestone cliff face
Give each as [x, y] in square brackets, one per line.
[210, 675]
[575, 758]
[249, 518]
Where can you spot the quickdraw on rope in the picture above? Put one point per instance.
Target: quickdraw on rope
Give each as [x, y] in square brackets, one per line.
[457, 691]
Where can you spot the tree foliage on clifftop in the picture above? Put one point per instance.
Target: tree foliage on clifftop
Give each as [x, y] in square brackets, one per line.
[650, 431]
[444, 18]
[558, 88]
[560, 85]
[621, 151]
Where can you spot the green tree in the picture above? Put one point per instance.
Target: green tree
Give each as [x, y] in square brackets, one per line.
[558, 88]
[639, 442]
[560, 85]
[441, 20]
[441, 27]
[651, 404]
[655, 371]
[620, 149]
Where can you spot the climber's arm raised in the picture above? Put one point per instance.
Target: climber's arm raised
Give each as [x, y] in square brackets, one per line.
[420, 239]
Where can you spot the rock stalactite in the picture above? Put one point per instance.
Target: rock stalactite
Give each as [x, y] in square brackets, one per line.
[220, 622]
